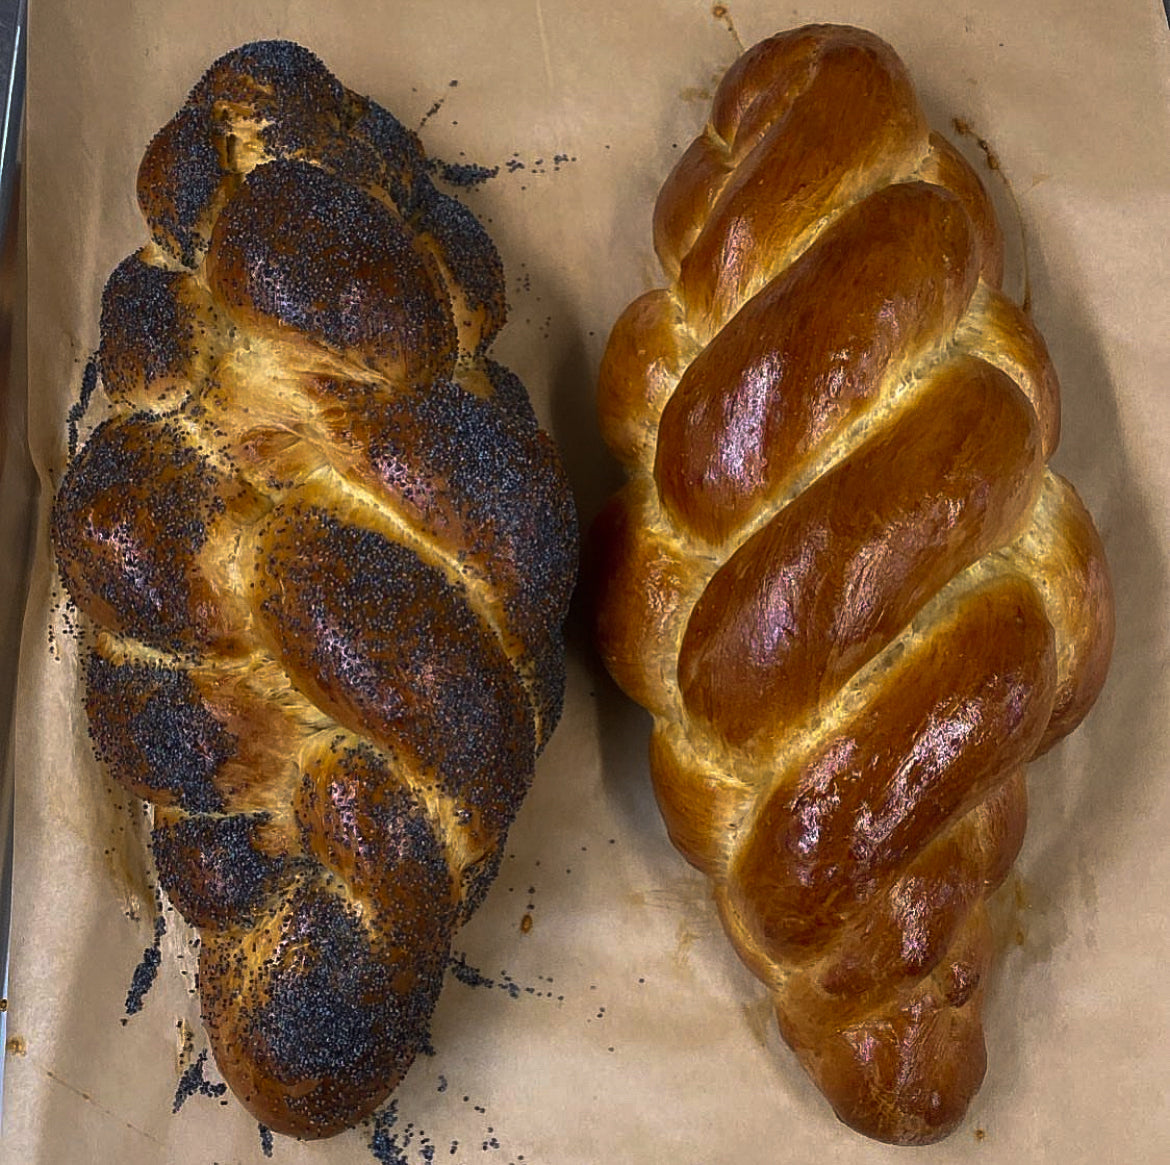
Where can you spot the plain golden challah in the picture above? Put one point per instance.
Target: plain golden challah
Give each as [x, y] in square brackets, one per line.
[324, 553]
[840, 575]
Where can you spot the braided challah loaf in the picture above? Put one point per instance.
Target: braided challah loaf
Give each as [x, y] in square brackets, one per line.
[325, 553]
[840, 576]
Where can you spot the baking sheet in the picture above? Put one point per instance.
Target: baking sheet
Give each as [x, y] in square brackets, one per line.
[619, 1025]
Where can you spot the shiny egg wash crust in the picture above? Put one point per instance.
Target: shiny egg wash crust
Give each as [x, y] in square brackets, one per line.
[840, 575]
[324, 552]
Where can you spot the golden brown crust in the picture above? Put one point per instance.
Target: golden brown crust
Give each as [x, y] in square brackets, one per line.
[999, 331]
[325, 553]
[701, 806]
[828, 583]
[904, 1072]
[642, 363]
[955, 715]
[840, 576]
[944, 166]
[642, 587]
[1063, 551]
[775, 113]
[742, 422]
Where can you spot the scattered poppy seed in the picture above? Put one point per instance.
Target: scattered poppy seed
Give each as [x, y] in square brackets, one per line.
[192, 1081]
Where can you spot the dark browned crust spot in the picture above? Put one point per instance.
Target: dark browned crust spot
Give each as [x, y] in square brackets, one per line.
[178, 180]
[188, 166]
[212, 870]
[154, 733]
[280, 83]
[329, 1025]
[128, 523]
[147, 331]
[361, 287]
[361, 820]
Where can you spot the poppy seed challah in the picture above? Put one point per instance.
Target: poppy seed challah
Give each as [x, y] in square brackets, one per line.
[324, 552]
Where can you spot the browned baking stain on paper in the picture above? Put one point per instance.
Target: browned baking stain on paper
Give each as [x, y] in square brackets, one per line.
[723, 12]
